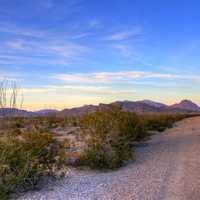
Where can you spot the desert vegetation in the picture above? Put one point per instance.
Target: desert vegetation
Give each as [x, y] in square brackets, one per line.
[161, 122]
[110, 134]
[11, 96]
[109, 137]
[27, 152]
[34, 147]
[27, 157]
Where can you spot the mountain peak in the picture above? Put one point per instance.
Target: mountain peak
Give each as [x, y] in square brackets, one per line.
[187, 105]
[144, 106]
[187, 101]
[153, 103]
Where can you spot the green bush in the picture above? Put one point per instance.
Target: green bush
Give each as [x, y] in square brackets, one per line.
[109, 134]
[24, 160]
[161, 122]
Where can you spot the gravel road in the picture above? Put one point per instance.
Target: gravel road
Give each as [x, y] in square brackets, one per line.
[167, 167]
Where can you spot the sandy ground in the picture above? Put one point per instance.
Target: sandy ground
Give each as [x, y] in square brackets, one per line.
[167, 167]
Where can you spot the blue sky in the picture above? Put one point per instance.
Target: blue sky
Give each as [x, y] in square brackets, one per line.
[67, 53]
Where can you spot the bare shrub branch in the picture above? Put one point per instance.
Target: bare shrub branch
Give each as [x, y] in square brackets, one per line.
[11, 95]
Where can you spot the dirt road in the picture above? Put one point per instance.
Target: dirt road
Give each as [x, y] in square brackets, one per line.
[166, 168]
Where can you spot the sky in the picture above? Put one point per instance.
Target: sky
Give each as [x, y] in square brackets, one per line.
[67, 53]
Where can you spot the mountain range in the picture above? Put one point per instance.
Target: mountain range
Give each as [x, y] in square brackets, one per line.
[142, 107]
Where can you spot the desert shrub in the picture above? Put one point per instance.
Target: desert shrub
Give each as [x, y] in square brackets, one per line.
[161, 122]
[108, 135]
[158, 123]
[24, 160]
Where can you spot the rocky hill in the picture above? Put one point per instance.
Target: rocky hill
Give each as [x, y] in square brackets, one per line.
[144, 106]
[186, 105]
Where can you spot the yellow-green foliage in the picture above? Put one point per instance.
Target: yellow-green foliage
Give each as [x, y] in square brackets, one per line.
[161, 122]
[24, 160]
[110, 133]
[26, 154]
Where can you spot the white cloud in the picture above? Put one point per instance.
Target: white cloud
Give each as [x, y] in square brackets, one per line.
[16, 44]
[125, 50]
[65, 50]
[81, 35]
[6, 75]
[124, 35]
[41, 52]
[168, 68]
[74, 89]
[11, 29]
[123, 76]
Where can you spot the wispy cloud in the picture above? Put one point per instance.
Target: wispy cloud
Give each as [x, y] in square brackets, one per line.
[16, 44]
[125, 50]
[18, 31]
[69, 89]
[81, 35]
[168, 68]
[7, 75]
[41, 52]
[124, 35]
[124, 76]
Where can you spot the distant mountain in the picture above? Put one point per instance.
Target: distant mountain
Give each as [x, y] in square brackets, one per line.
[15, 112]
[136, 106]
[79, 110]
[186, 105]
[144, 106]
[153, 103]
[46, 112]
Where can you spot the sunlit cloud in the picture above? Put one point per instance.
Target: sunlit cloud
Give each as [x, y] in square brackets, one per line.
[62, 96]
[124, 76]
[74, 89]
